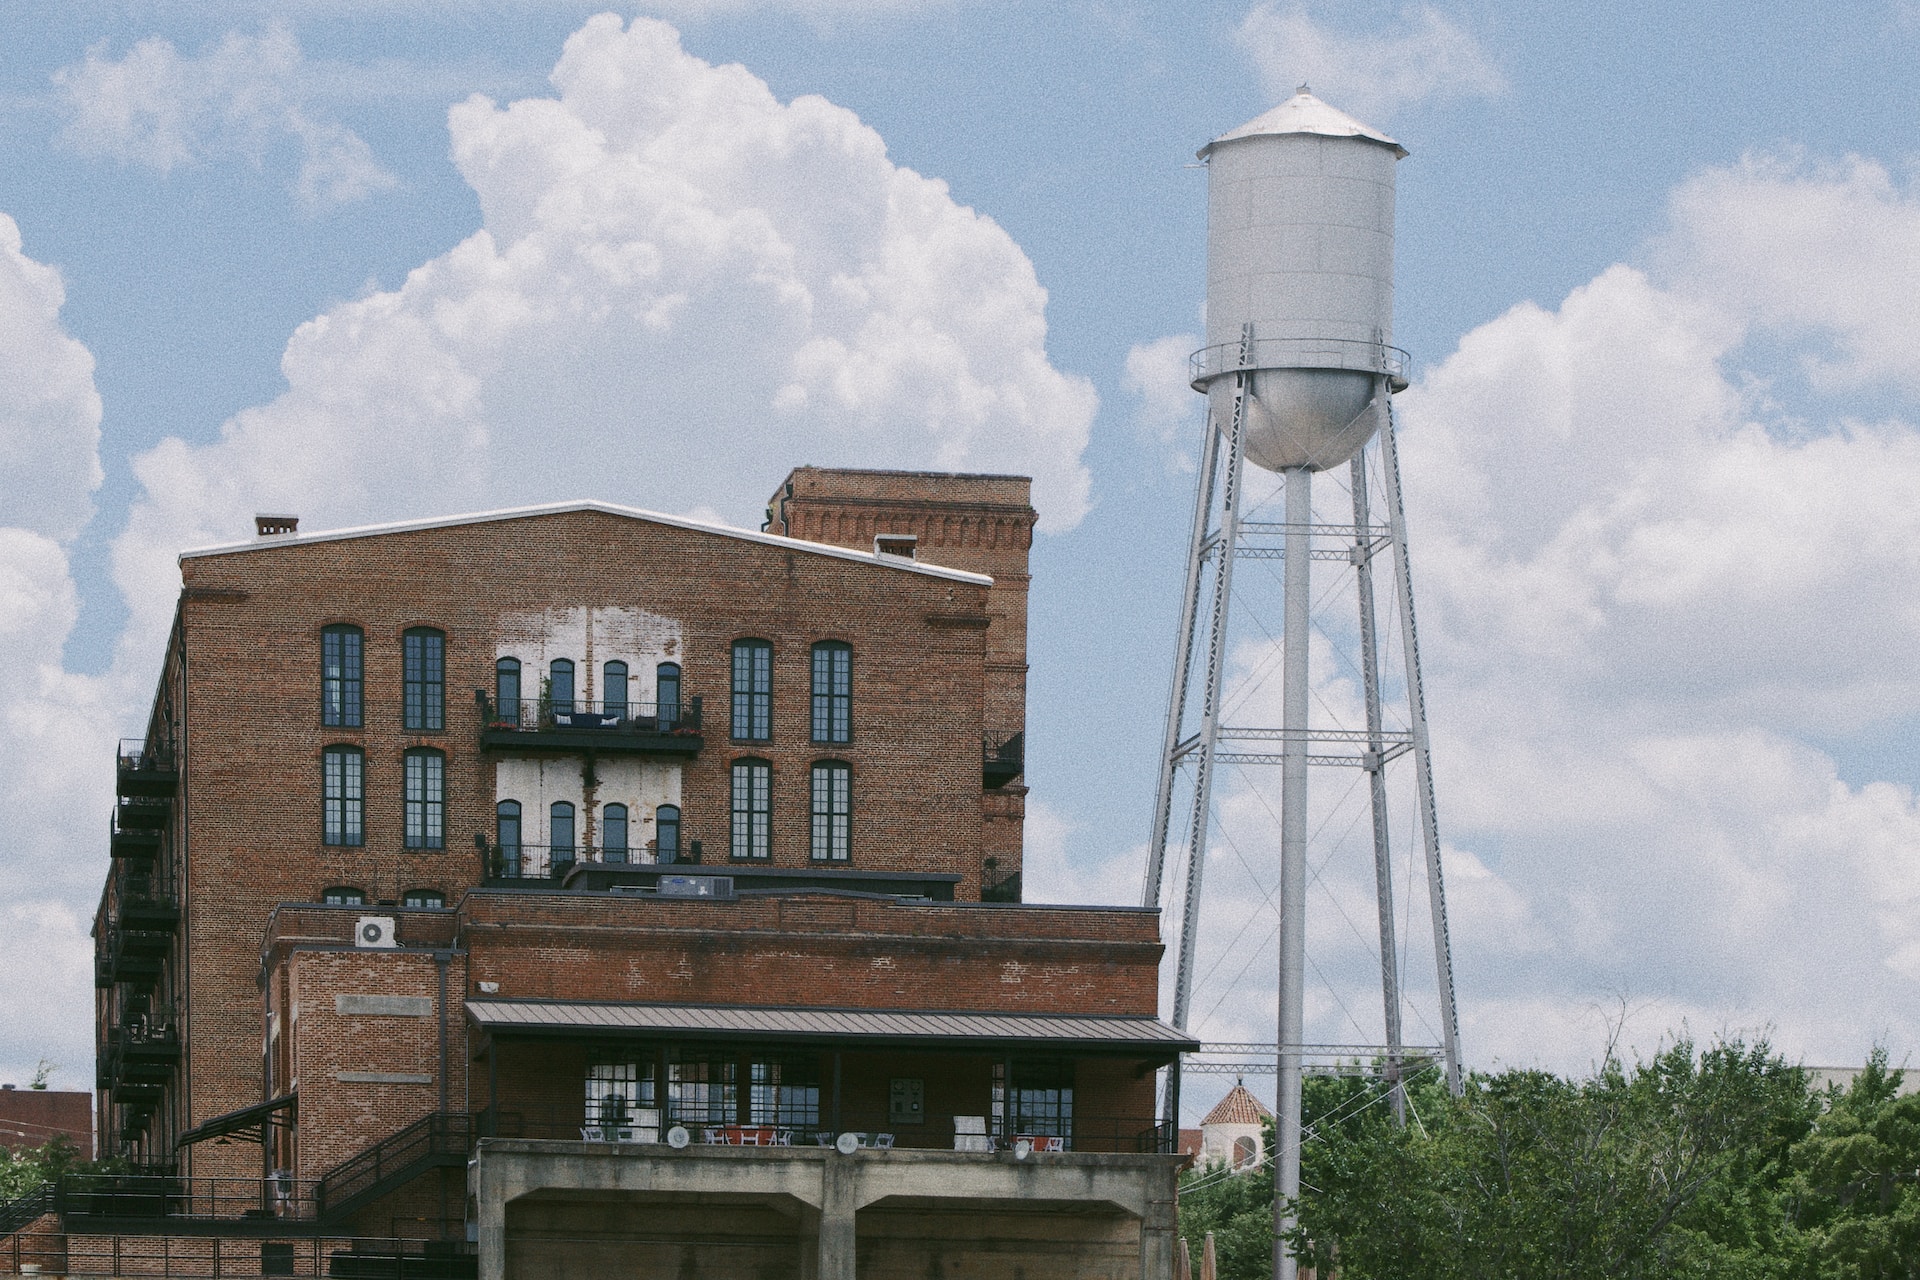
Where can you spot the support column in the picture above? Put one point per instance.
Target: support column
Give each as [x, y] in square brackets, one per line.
[1295, 697]
[839, 1204]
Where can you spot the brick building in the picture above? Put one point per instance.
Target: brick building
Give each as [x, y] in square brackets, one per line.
[545, 836]
[35, 1117]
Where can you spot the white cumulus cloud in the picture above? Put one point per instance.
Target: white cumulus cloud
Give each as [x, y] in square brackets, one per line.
[242, 96]
[676, 271]
[1423, 55]
[56, 728]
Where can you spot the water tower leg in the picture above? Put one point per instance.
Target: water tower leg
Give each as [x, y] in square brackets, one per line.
[1295, 697]
[1422, 759]
[1377, 773]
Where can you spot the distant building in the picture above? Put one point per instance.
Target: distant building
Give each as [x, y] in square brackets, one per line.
[35, 1117]
[1234, 1132]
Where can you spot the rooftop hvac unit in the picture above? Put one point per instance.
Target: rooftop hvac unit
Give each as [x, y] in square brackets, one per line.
[375, 931]
[696, 886]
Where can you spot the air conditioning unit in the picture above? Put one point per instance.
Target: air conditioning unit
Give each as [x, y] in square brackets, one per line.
[375, 931]
[696, 886]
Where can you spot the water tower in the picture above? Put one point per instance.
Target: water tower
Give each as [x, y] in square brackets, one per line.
[1299, 370]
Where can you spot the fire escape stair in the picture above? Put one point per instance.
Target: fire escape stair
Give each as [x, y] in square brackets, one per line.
[23, 1210]
[442, 1140]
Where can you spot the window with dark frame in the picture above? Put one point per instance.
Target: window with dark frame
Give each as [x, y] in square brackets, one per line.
[560, 686]
[343, 796]
[752, 690]
[613, 689]
[1042, 1099]
[703, 1089]
[752, 828]
[666, 840]
[423, 899]
[832, 811]
[341, 895]
[560, 833]
[424, 672]
[613, 833]
[666, 694]
[506, 827]
[832, 692]
[506, 690]
[784, 1092]
[616, 1089]
[342, 676]
[426, 799]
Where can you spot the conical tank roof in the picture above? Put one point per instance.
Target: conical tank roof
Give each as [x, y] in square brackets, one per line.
[1304, 113]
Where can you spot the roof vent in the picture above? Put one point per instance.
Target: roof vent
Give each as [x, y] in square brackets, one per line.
[895, 544]
[275, 526]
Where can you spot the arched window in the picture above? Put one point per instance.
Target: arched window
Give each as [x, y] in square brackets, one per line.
[1245, 1152]
[832, 692]
[752, 829]
[613, 690]
[424, 672]
[343, 796]
[426, 799]
[832, 811]
[506, 691]
[613, 833]
[423, 899]
[752, 690]
[560, 836]
[666, 694]
[342, 677]
[341, 895]
[560, 686]
[506, 826]
[666, 826]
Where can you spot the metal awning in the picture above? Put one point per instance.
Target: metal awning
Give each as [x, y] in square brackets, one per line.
[248, 1123]
[875, 1028]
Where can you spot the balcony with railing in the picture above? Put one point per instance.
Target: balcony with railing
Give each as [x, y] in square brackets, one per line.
[147, 769]
[1003, 757]
[556, 864]
[135, 843]
[573, 724]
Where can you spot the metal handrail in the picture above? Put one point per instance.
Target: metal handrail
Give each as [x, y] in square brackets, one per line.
[135, 755]
[1350, 354]
[532, 715]
[539, 861]
[441, 1135]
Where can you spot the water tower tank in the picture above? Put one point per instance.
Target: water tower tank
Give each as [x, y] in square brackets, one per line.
[1300, 246]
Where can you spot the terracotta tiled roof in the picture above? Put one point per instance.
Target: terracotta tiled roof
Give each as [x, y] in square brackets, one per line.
[1238, 1107]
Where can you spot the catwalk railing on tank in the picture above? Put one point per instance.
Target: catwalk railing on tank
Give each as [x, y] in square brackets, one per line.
[873, 1128]
[537, 715]
[553, 863]
[1208, 363]
[214, 1257]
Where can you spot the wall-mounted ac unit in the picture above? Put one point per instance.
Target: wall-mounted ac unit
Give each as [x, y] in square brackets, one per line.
[696, 886]
[375, 931]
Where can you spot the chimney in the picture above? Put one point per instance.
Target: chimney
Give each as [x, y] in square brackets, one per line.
[275, 526]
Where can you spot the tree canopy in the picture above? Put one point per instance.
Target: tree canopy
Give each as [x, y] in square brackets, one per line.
[1711, 1162]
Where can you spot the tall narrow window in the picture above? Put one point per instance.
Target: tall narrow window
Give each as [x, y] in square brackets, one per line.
[424, 668]
[506, 825]
[426, 799]
[613, 689]
[560, 836]
[752, 690]
[832, 692]
[752, 809]
[832, 811]
[343, 796]
[613, 833]
[341, 679]
[666, 694]
[666, 825]
[506, 691]
[560, 686]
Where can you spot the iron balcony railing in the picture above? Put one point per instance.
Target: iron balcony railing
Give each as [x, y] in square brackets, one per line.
[532, 715]
[556, 862]
[137, 755]
[1003, 757]
[874, 1128]
[145, 1196]
[213, 1257]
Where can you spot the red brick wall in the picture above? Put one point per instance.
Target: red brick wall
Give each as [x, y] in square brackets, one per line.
[33, 1117]
[251, 624]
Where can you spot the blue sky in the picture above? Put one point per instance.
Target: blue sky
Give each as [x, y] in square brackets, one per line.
[1654, 268]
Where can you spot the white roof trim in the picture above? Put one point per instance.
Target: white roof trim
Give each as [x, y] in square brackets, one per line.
[280, 541]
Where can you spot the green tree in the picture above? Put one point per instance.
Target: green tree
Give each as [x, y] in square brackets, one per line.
[1854, 1191]
[23, 1170]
